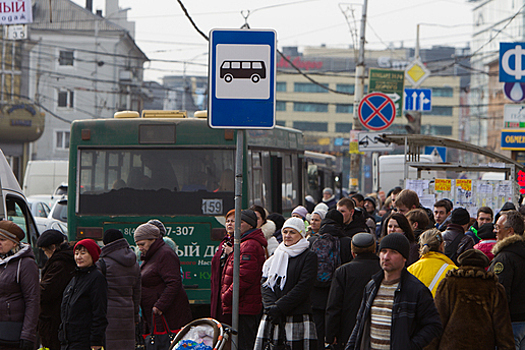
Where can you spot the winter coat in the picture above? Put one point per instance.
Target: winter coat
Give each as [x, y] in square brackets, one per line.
[357, 225]
[19, 291]
[486, 246]
[217, 268]
[345, 296]
[330, 202]
[268, 230]
[294, 299]
[83, 311]
[509, 265]
[118, 263]
[56, 275]
[319, 294]
[472, 232]
[426, 268]
[250, 274]
[162, 287]
[465, 243]
[415, 320]
[413, 253]
[474, 311]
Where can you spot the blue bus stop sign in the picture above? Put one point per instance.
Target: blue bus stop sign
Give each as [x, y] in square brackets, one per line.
[242, 79]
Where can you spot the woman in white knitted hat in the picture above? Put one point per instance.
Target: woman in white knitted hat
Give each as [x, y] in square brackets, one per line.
[288, 276]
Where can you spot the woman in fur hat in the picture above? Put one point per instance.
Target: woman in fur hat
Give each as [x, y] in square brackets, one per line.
[288, 277]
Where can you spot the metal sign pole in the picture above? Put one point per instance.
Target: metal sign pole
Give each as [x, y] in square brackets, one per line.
[237, 233]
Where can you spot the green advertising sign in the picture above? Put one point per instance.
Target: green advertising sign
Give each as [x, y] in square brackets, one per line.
[390, 82]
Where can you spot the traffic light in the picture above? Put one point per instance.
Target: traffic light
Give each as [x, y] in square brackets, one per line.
[414, 122]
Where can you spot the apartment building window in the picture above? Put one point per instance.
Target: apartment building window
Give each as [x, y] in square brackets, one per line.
[65, 98]
[310, 87]
[442, 91]
[10, 69]
[343, 127]
[280, 86]
[348, 88]
[344, 108]
[311, 126]
[66, 58]
[62, 140]
[280, 122]
[310, 107]
[280, 106]
[445, 111]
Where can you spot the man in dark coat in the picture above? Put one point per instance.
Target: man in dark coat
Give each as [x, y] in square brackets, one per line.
[397, 310]
[56, 275]
[347, 288]
[354, 219]
[509, 265]
[118, 263]
[456, 241]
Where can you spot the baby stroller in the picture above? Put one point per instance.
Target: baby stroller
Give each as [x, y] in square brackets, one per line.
[221, 334]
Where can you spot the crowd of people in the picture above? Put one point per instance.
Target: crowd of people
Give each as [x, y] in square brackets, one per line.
[362, 272]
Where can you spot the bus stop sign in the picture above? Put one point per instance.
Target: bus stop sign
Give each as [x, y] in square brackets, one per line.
[242, 79]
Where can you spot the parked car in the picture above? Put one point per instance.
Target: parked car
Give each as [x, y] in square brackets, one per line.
[59, 210]
[40, 209]
[44, 224]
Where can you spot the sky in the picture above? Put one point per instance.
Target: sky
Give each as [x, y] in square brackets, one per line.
[164, 33]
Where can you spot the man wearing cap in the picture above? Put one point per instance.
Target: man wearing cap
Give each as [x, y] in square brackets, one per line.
[250, 274]
[19, 289]
[509, 265]
[456, 241]
[347, 288]
[56, 275]
[85, 302]
[397, 311]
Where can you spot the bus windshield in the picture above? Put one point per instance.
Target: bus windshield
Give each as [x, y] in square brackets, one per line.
[153, 181]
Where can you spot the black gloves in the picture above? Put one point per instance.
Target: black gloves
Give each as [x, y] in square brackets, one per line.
[26, 344]
[274, 313]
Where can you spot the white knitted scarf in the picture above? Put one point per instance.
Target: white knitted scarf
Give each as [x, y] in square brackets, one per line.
[275, 267]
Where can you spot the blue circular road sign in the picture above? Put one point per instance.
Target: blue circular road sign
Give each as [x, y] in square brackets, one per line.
[377, 111]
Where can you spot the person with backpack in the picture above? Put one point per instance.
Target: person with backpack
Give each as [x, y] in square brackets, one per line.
[332, 248]
[287, 279]
[456, 241]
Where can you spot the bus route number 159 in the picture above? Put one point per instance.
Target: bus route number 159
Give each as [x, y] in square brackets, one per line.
[212, 207]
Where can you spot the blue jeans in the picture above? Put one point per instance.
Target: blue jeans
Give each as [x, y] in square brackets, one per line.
[518, 328]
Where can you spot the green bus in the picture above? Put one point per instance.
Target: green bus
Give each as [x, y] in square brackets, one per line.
[126, 171]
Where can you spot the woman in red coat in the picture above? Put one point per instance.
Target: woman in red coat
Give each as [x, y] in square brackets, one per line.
[250, 274]
[162, 290]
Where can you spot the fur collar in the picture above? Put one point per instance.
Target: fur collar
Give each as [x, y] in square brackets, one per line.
[498, 247]
[268, 229]
[472, 272]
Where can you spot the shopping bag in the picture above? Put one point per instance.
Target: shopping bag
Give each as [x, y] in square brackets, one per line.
[157, 340]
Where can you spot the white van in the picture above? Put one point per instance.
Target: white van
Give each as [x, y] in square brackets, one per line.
[13, 207]
[44, 176]
[392, 170]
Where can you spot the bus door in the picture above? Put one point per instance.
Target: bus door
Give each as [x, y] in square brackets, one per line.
[277, 181]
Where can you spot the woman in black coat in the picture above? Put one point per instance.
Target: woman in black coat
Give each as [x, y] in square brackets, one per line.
[288, 276]
[56, 275]
[85, 302]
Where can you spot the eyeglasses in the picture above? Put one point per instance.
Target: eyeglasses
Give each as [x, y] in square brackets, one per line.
[499, 228]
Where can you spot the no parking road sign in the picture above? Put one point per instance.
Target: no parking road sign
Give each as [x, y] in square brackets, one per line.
[377, 111]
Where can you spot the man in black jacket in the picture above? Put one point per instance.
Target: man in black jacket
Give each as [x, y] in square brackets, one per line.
[347, 288]
[509, 265]
[397, 311]
[354, 219]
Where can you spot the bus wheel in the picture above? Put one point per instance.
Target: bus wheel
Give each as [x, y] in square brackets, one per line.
[228, 78]
[255, 78]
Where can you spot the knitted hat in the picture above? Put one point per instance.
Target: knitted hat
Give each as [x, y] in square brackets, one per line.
[146, 231]
[112, 235]
[396, 241]
[301, 211]
[91, 246]
[336, 216]
[160, 225]
[473, 257]
[328, 190]
[11, 231]
[371, 200]
[460, 216]
[50, 237]
[363, 240]
[278, 220]
[321, 212]
[249, 217]
[295, 223]
[321, 206]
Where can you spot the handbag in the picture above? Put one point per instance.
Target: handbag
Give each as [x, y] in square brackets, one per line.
[10, 333]
[159, 340]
